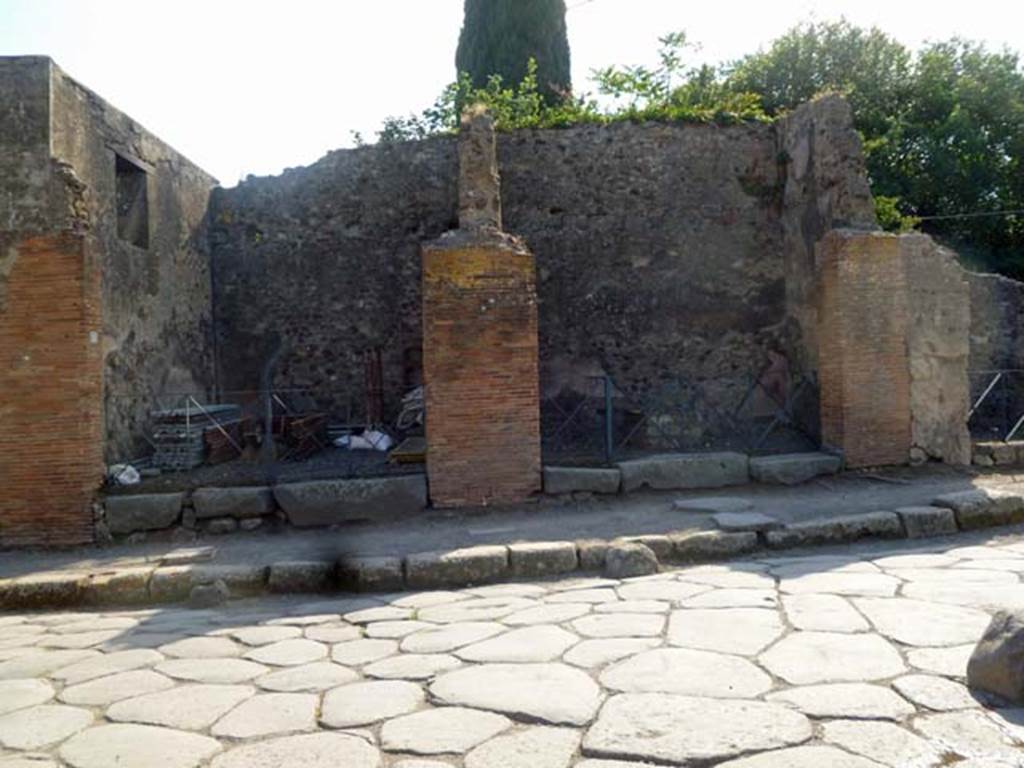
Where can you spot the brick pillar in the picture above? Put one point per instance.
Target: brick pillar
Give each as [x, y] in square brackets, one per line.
[480, 347]
[51, 450]
[863, 359]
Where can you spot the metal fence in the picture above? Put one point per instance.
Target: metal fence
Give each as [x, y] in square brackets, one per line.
[603, 422]
[997, 404]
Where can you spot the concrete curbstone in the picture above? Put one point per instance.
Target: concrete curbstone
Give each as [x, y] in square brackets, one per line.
[885, 525]
[581, 479]
[142, 512]
[542, 558]
[924, 522]
[371, 574]
[459, 567]
[983, 508]
[703, 546]
[296, 576]
[685, 470]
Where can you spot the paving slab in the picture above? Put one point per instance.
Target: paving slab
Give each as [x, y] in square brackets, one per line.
[538, 747]
[689, 672]
[138, 746]
[441, 731]
[314, 750]
[846, 700]
[369, 702]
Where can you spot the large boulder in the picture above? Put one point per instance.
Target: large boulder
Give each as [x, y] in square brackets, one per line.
[326, 502]
[997, 664]
[142, 512]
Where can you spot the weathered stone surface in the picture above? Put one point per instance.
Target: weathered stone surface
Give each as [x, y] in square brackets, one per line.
[269, 714]
[951, 662]
[659, 544]
[841, 528]
[997, 663]
[923, 522]
[107, 664]
[713, 504]
[370, 574]
[412, 666]
[689, 672]
[854, 583]
[544, 643]
[237, 502]
[396, 630]
[217, 526]
[107, 690]
[145, 512]
[265, 635]
[620, 625]
[37, 663]
[885, 743]
[802, 757]
[313, 750]
[823, 613]
[327, 502]
[626, 559]
[850, 700]
[20, 694]
[208, 595]
[793, 468]
[211, 670]
[41, 726]
[733, 598]
[458, 568]
[689, 730]
[333, 632]
[591, 553]
[189, 707]
[553, 693]
[441, 731]
[633, 606]
[684, 470]
[547, 614]
[743, 631]
[914, 622]
[591, 654]
[318, 676]
[539, 747]
[542, 558]
[301, 576]
[202, 648]
[745, 521]
[369, 702]
[357, 652]
[935, 692]
[704, 546]
[450, 637]
[379, 613]
[581, 479]
[660, 589]
[138, 746]
[982, 508]
[289, 653]
[970, 734]
[806, 658]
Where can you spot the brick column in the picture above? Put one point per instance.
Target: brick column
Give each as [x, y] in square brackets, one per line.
[480, 347]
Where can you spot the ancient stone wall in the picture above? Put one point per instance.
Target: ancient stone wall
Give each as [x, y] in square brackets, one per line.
[997, 323]
[658, 248]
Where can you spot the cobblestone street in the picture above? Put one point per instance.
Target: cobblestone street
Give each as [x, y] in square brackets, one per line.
[845, 661]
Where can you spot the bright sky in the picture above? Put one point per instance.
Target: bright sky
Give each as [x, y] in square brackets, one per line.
[253, 86]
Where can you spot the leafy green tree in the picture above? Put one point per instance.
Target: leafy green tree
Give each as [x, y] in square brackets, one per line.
[499, 37]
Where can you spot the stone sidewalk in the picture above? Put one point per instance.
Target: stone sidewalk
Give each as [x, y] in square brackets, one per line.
[450, 550]
[852, 659]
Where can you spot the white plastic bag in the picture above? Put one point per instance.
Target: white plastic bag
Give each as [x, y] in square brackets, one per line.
[123, 474]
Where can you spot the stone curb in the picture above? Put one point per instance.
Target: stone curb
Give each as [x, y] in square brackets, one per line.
[172, 583]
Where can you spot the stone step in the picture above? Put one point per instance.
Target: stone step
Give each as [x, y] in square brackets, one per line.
[793, 468]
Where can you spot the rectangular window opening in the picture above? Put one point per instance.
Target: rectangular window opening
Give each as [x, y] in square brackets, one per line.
[132, 203]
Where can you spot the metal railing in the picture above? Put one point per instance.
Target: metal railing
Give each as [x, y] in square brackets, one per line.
[997, 404]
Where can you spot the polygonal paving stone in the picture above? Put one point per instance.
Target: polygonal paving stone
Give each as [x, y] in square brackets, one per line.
[95, 624]
[380, 613]
[806, 658]
[289, 653]
[733, 598]
[27, 760]
[951, 661]
[745, 631]
[957, 576]
[427, 599]
[358, 652]
[369, 702]
[108, 664]
[137, 746]
[913, 622]
[312, 750]
[318, 676]
[725, 577]
[395, 630]
[189, 707]
[914, 560]
[421, 764]
[107, 690]
[269, 714]
[451, 636]
[620, 625]
[690, 730]
[333, 633]
[476, 609]
[79, 640]
[596, 653]
[543, 643]
[850, 700]
[883, 742]
[39, 663]
[969, 733]
[440, 731]
[592, 596]
[802, 757]
[412, 666]
[212, 670]
[633, 606]
[19, 694]
[540, 747]
[42, 725]
[993, 597]
[823, 613]
[548, 614]
[202, 648]
[849, 584]
[669, 591]
[554, 693]
[265, 635]
[506, 590]
[684, 671]
[937, 693]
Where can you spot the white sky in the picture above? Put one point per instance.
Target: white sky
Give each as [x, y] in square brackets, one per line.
[252, 86]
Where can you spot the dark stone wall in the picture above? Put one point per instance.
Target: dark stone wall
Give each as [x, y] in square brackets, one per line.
[658, 247]
[997, 323]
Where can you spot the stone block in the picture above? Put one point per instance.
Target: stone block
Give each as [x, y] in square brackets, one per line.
[143, 512]
[841, 528]
[998, 452]
[296, 576]
[217, 526]
[538, 559]
[455, 568]
[209, 595]
[745, 521]
[326, 502]
[685, 470]
[659, 544]
[625, 559]
[997, 663]
[581, 479]
[793, 468]
[174, 583]
[591, 553]
[233, 502]
[922, 522]
[371, 574]
[171, 583]
[703, 546]
[43, 590]
[122, 586]
[983, 507]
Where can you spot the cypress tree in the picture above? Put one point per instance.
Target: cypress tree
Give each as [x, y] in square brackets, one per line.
[500, 36]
